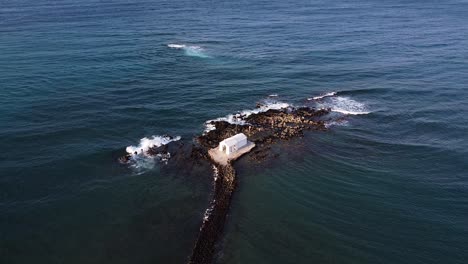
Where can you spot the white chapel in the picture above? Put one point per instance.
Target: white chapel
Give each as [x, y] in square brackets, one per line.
[233, 144]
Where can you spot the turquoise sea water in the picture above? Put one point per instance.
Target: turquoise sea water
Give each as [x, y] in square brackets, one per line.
[82, 80]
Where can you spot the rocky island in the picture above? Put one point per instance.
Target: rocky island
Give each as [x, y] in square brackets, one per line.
[262, 128]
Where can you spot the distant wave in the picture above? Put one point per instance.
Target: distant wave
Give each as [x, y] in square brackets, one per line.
[349, 93]
[176, 46]
[345, 105]
[190, 50]
[239, 118]
[364, 91]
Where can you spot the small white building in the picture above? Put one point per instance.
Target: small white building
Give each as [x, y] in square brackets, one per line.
[233, 144]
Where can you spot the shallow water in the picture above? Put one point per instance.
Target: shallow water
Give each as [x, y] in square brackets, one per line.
[80, 81]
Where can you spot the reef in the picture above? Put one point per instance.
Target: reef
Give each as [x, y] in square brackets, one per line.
[263, 128]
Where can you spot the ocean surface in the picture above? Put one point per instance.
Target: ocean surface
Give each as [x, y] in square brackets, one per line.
[83, 81]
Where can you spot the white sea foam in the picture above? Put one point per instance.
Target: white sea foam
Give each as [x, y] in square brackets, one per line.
[239, 118]
[141, 161]
[273, 95]
[329, 124]
[207, 214]
[147, 143]
[196, 51]
[215, 173]
[208, 126]
[164, 157]
[209, 211]
[322, 96]
[345, 105]
[190, 50]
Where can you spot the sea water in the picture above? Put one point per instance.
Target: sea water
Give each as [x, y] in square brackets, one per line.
[83, 81]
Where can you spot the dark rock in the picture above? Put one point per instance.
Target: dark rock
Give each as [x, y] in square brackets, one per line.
[215, 216]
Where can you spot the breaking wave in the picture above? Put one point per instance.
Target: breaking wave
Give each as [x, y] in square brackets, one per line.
[322, 96]
[345, 105]
[239, 118]
[148, 143]
[140, 160]
[190, 50]
[338, 104]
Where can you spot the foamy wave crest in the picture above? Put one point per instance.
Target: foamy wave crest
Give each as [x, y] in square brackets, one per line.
[148, 143]
[345, 105]
[141, 161]
[194, 51]
[322, 96]
[239, 118]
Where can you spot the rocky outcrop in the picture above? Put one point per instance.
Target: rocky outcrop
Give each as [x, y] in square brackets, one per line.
[266, 127]
[262, 128]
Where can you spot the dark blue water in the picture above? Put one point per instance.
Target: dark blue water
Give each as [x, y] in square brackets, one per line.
[82, 80]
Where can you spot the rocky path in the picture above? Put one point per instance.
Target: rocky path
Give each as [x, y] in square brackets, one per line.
[215, 216]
